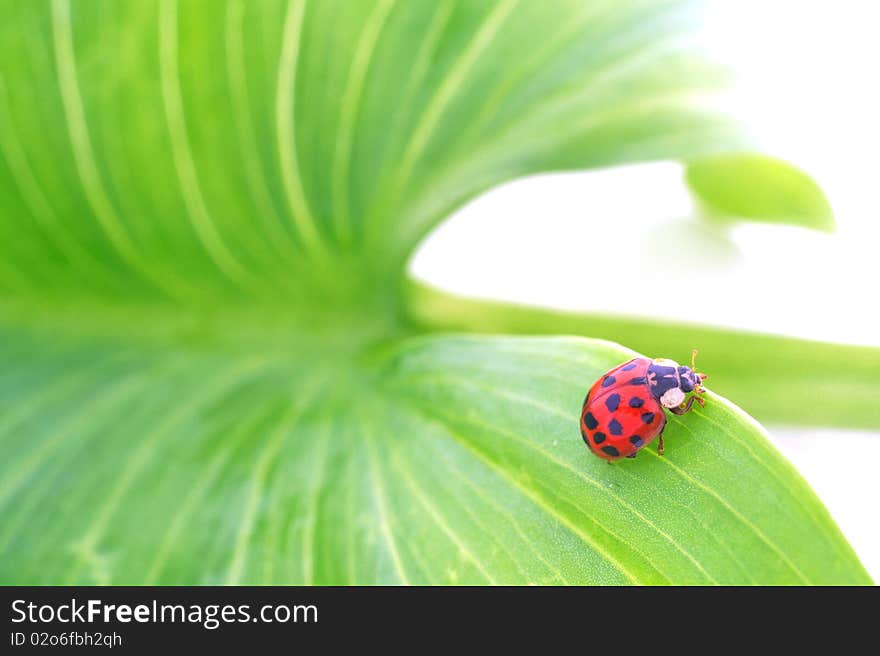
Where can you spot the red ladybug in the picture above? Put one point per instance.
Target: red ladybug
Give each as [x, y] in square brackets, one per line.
[623, 410]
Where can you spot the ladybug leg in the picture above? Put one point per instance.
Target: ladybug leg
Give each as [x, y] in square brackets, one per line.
[660, 438]
[685, 407]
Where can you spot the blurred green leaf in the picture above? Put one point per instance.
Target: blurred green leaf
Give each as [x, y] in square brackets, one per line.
[779, 379]
[190, 150]
[758, 188]
[207, 369]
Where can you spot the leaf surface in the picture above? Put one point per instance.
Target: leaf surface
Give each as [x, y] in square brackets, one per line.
[439, 460]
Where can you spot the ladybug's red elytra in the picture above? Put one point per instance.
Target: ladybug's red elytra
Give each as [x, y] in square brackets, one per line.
[624, 410]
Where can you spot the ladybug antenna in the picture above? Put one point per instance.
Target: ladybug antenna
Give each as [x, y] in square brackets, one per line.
[694, 353]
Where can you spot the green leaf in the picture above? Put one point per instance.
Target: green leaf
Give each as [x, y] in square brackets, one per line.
[779, 379]
[444, 460]
[208, 369]
[185, 150]
[759, 188]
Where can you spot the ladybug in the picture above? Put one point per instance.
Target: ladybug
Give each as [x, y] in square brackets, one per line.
[623, 410]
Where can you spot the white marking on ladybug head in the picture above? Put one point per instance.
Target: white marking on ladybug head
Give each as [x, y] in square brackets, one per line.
[672, 398]
[666, 362]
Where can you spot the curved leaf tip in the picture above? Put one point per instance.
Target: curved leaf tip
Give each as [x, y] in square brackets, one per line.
[759, 188]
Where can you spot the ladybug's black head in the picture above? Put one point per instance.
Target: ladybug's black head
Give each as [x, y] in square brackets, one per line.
[670, 383]
[689, 378]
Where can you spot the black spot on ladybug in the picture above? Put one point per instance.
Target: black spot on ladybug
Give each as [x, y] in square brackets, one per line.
[633, 455]
[631, 365]
[590, 421]
[636, 441]
[598, 437]
[636, 402]
[586, 441]
[610, 450]
[614, 427]
[612, 402]
[609, 380]
[648, 417]
[641, 380]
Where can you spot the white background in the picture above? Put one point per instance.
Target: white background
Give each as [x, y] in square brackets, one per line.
[809, 83]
